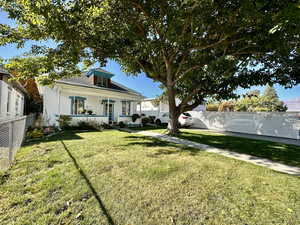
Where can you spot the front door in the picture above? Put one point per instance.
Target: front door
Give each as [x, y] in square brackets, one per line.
[109, 109]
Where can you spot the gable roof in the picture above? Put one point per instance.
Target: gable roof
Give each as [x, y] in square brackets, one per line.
[84, 81]
[3, 71]
[15, 83]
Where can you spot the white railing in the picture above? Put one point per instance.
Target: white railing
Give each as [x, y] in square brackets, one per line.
[277, 124]
[12, 133]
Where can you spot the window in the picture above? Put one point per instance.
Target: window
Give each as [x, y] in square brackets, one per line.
[17, 105]
[102, 82]
[8, 100]
[126, 107]
[77, 105]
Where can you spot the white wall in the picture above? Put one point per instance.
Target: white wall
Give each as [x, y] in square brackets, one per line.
[262, 123]
[57, 102]
[15, 94]
[150, 110]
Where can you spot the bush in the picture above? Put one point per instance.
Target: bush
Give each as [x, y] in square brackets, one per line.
[135, 117]
[64, 121]
[36, 133]
[152, 119]
[145, 120]
[212, 107]
[226, 106]
[91, 125]
[122, 124]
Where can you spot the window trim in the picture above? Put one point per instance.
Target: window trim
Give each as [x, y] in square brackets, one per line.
[127, 106]
[73, 100]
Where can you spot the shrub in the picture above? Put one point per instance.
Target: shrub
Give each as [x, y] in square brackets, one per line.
[152, 119]
[212, 107]
[145, 120]
[226, 106]
[64, 121]
[106, 126]
[90, 112]
[122, 124]
[135, 117]
[36, 133]
[91, 125]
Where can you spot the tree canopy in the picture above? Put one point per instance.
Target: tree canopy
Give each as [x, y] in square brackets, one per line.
[194, 48]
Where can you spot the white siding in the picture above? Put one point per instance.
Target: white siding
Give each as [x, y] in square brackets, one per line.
[15, 94]
[57, 102]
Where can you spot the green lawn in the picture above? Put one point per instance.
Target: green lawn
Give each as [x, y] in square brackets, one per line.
[114, 177]
[283, 153]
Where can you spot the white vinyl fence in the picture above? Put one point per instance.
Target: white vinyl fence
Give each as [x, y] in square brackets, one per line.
[275, 124]
[12, 133]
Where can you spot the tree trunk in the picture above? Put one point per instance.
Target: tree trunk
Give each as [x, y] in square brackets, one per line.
[173, 126]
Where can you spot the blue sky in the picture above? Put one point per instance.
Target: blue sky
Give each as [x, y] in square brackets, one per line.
[140, 83]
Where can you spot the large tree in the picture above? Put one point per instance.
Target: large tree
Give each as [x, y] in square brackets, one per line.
[194, 48]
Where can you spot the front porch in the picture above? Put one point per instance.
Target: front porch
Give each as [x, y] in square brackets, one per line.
[102, 119]
[98, 109]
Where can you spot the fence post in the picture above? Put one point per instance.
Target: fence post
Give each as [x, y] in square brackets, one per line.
[10, 141]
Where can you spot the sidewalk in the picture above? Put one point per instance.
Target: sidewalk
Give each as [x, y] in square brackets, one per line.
[292, 170]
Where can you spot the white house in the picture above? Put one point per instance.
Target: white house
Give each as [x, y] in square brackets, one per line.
[150, 109]
[12, 97]
[293, 105]
[91, 97]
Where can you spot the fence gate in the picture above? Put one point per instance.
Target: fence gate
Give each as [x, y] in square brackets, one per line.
[12, 134]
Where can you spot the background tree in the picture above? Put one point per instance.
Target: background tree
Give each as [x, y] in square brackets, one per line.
[268, 102]
[194, 48]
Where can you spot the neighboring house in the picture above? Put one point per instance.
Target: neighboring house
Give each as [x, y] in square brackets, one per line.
[94, 93]
[150, 109]
[12, 97]
[293, 105]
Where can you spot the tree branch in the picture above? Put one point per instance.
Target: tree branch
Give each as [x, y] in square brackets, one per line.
[186, 72]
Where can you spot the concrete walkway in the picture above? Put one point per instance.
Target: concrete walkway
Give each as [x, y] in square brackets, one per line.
[292, 170]
[254, 136]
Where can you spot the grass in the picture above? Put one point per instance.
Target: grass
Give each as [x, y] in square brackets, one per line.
[114, 177]
[279, 152]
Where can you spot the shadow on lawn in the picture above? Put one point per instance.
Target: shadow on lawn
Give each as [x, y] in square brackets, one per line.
[66, 135]
[154, 142]
[101, 205]
[284, 153]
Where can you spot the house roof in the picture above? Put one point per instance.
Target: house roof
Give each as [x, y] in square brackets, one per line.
[84, 81]
[3, 71]
[15, 83]
[99, 72]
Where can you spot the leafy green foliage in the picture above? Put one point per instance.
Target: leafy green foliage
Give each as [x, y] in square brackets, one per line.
[195, 49]
[64, 121]
[135, 117]
[268, 102]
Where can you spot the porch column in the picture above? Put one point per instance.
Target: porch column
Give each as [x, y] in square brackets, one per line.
[140, 107]
[107, 109]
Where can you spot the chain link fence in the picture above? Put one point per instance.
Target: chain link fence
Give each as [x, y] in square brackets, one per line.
[12, 133]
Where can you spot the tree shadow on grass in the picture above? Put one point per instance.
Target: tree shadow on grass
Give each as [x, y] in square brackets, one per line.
[88, 182]
[66, 135]
[279, 152]
[154, 142]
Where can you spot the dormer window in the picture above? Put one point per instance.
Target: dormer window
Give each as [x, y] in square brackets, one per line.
[100, 77]
[101, 81]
